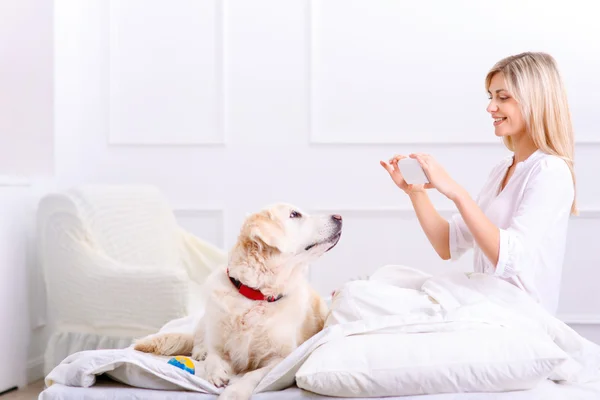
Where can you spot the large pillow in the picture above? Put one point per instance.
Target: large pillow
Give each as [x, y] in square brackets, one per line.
[480, 360]
[363, 300]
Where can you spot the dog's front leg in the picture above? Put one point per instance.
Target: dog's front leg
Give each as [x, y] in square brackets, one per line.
[215, 369]
[199, 348]
[243, 388]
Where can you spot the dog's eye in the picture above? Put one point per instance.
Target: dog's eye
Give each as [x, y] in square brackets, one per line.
[295, 214]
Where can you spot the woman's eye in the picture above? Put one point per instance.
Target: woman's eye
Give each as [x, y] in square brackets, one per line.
[499, 97]
[295, 214]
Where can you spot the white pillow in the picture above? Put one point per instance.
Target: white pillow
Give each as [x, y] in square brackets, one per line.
[377, 365]
[363, 300]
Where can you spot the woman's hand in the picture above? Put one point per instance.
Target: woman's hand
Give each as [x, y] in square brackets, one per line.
[437, 175]
[394, 171]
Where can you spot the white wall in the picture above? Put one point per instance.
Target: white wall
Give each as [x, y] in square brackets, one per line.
[26, 168]
[228, 106]
[26, 87]
[22, 336]
[13, 299]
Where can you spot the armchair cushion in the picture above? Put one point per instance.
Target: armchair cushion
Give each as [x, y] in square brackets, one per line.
[116, 266]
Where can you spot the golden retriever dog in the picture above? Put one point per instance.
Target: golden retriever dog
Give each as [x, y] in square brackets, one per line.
[260, 307]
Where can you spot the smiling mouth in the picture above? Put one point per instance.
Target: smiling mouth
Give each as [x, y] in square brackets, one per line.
[498, 121]
[334, 239]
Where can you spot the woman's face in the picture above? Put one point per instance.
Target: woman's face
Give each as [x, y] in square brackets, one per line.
[504, 109]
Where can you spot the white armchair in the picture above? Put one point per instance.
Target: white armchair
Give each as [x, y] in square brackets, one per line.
[116, 266]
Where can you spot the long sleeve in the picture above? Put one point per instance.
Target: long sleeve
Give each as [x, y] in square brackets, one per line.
[548, 195]
[460, 237]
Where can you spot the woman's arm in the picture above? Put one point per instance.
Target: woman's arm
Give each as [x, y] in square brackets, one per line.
[548, 196]
[436, 228]
[484, 232]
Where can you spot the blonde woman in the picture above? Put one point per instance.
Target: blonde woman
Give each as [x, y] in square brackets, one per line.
[517, 225]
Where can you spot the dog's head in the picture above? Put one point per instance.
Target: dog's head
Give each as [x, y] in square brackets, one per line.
[289, 234]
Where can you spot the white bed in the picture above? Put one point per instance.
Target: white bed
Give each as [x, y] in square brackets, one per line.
[402, 333]
[108, 390]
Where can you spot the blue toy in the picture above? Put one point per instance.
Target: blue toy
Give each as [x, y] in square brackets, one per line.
[185, 363]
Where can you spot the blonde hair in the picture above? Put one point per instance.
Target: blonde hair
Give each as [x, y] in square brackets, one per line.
[535, 82]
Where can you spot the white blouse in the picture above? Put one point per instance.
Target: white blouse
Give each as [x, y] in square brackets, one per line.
[532, 213]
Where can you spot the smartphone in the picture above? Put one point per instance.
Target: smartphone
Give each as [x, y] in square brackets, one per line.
[412, 172]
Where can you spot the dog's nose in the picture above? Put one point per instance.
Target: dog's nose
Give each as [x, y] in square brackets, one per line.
[337, 217]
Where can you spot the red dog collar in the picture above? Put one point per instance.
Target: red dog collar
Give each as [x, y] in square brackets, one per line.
[251, 293]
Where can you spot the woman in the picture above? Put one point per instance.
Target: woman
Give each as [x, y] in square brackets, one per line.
[518, 223]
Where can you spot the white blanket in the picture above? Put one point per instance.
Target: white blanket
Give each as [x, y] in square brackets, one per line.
[396, 299]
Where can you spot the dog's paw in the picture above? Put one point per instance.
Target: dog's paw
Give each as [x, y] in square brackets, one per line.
[216, 370]
[199, 353]
[218, 377]
[235, 392]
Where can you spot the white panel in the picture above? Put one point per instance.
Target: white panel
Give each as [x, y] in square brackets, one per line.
[266, 71]
[579, 292]
[405, 72]
[164, 72]
[26, 87]
[374, 238]
[205, 224]
[14, 321]
[10, 180]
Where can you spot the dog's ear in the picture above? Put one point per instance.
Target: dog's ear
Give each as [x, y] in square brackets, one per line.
[264, 229]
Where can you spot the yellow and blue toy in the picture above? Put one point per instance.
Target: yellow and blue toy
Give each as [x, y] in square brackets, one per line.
[185, 363]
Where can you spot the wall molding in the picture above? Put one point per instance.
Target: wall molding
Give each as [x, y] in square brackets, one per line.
[219, 96]
[315, 141]
[165, 145]
[375, 212]
[588, 213]
[446, 212]
[403, 212]
[14, 181]
[580, 319]
[584, 213]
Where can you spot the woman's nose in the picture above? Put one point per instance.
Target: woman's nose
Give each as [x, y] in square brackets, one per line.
[492, 107]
